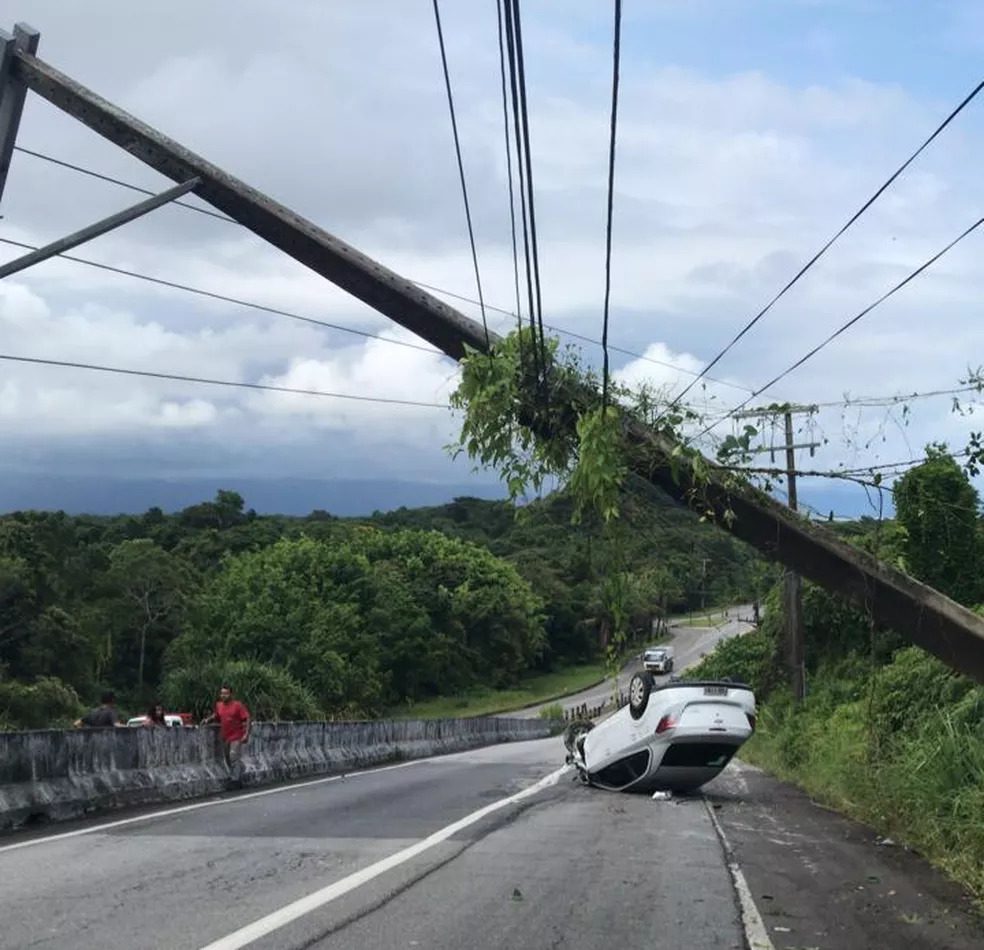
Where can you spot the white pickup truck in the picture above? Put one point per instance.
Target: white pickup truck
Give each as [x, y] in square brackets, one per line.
[677, 736]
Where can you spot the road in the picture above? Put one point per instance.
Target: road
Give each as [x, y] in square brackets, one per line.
[441, 854]
[689, 645]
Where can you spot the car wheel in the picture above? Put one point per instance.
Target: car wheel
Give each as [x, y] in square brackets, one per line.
[640, 686]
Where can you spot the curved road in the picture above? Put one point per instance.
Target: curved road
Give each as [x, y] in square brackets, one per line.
[689, 646]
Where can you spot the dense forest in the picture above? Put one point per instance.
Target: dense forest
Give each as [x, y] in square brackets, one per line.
[322, 616]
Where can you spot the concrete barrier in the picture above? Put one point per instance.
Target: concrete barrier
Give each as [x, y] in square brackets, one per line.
[51, 775]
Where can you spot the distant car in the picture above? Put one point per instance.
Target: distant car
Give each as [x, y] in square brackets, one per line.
[170, 719]
[658, 659]
[675, 737]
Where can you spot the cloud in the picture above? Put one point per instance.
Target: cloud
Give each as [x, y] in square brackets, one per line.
[727, 180]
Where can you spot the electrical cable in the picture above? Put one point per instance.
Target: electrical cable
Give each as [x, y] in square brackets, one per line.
[419, 283]
[846, 326]
[180, 377]
[461, 172]
[616, 51]
[530, 203]
[211, 295]
[509, 169]
[823, 250]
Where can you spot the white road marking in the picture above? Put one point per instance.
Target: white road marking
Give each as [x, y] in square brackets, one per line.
[167, 812]
[291, 912]
[755, 932]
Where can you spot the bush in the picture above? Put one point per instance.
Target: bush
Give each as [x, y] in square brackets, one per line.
[749, 658]
[911, 686]
[270, 693]
[47, 703]
[553, 711]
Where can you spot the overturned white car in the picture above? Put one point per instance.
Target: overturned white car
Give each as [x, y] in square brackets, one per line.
[675, 736]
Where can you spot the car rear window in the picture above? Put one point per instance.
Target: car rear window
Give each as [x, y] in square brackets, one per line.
[699, 755]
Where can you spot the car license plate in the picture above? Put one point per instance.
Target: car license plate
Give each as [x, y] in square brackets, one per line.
[715, 690]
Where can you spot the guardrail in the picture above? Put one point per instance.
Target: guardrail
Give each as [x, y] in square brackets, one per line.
[50, 775]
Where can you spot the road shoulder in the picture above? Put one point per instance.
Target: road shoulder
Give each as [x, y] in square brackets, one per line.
[822, 880]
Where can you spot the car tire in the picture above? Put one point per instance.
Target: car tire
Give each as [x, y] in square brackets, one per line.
[640, 686]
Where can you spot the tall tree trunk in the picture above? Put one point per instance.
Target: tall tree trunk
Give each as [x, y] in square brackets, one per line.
[140, 664]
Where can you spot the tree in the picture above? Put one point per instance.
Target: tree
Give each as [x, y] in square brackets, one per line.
[154, 587]
[938, 508]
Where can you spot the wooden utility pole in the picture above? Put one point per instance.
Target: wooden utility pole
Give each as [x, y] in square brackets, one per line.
[794, 647]
[793, 584]
[893, 599]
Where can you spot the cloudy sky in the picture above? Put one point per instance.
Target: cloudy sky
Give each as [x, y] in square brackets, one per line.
[749, 131]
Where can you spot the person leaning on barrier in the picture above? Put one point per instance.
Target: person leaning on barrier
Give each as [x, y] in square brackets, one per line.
[103, 716]
[234, 723]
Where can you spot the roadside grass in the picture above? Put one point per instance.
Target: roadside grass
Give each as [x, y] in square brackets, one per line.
[483, 701]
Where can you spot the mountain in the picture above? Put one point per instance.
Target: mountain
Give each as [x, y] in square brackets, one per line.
[110, 496]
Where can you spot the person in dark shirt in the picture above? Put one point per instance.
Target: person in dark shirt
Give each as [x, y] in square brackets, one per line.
[103, 716]
[155, 717]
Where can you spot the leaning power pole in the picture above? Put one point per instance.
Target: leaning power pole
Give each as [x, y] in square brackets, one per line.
[927, 617]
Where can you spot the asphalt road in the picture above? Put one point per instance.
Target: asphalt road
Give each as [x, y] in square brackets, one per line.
[689, 645]
[441, 853]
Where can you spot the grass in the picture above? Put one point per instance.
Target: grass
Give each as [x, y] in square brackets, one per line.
[482, 701]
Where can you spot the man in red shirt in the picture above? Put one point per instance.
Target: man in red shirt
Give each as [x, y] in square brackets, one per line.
[233, 719]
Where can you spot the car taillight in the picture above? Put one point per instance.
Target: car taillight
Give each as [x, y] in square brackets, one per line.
[751, 720]
[667, 722]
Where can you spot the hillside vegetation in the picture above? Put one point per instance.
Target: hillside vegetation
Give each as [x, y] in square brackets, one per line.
[887, 733]
[326, 617]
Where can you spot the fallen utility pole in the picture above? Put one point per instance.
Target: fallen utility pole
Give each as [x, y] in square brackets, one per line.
[926, 617]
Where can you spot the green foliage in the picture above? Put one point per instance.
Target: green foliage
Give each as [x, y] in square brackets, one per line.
[938, 508]
[269, 692]
[367, 615]
[153, 589]
[597, 479]
[750, 658]
[372, 619]
[507, 399]
[46, 703]
[553, 712]
[916, 681]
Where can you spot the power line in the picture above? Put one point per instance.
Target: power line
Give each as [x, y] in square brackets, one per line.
[517, 65]
[509, 166]
[211, 295]
[850, 323]
[119, 182]
[616, 52]
[823, 250]
[173, 285]
[588, 339]
[180, 377]
[461, 171]
[874, 402]
[419, 283]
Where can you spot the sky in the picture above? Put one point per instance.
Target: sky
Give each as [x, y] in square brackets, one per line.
[749, 131]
